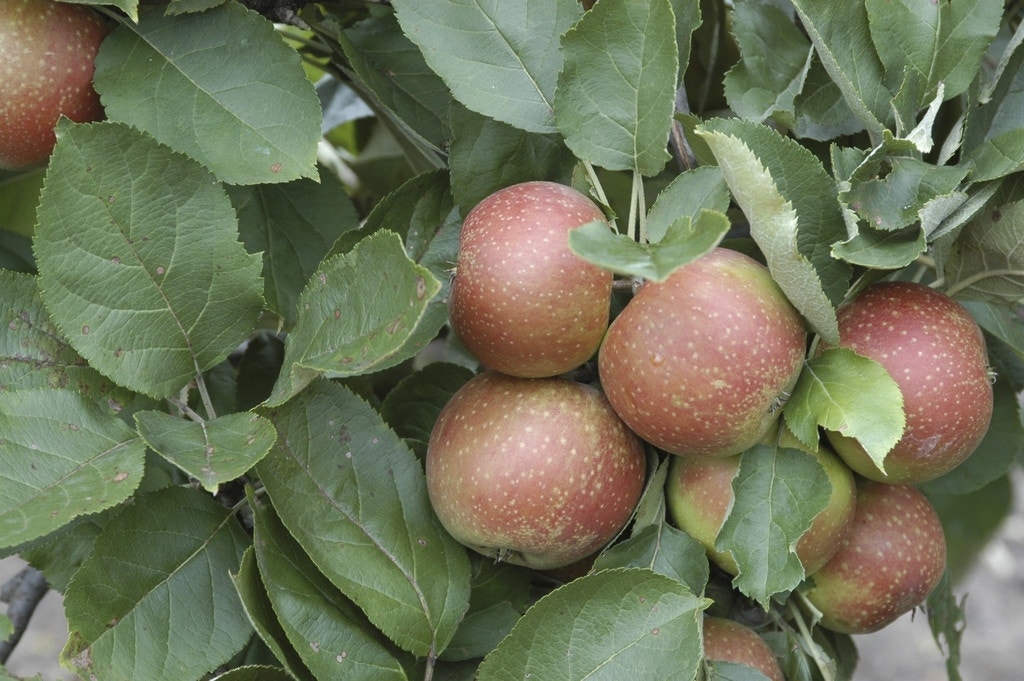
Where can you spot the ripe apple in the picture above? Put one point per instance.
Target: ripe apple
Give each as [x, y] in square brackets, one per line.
[727, 640]
[887, 564]
[700, 364]
[47, 50]
[521, 301]
[935, 351]
[538, 472]
[699, 495]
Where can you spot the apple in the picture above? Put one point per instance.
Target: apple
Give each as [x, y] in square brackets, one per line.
[887, 564]
[727, 640]
[699, 495]
[47, 50]
[701, 363]
[538, 472]
[935, 351]
[521, 301]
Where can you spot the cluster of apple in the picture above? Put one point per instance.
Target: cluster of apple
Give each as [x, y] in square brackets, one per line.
[534, 468]
[47, 49]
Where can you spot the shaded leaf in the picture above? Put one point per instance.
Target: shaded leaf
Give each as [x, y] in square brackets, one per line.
[412, 406]
[139, 260]
[616, 91]
[500, 594]
[987, 260]
[993, 144]
[663, 549]
[352, 493]
[137, 591]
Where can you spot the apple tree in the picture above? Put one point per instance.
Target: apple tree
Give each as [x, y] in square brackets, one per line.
[227, 334]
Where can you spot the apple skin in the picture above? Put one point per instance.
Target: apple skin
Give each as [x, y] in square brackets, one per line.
[699, 495]
[47, 50]
[935, 351]
[521, 301]
[887, 564]
[727, 640]
[537, 472]
[699, 364]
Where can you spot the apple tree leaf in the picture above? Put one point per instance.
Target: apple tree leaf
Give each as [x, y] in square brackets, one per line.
[733, 671]
[212, 452]
[501, 593]
[993, 144]
[220, 86]
[62, 456]
[412, 406]
[616, 91]
[356, 314]
[139, 260]
[355, 499]
[500, 59]
[986, 261]
[663, 549]
[689, 192]
[684, 242]
[778, 493]
[780, 187]
[330, 634]
[853, 395]
[614, 624]
[137, 591]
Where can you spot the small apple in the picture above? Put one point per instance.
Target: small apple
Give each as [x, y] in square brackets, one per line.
[887, 564]
[537, 472]
[727, 640]
[699, 496]
[47, 50]
[935, 351]
[700, 364]
[521, 301]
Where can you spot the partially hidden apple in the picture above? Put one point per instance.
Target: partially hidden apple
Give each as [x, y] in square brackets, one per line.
[935, 352]
[701, 363]
[521, 301]
[727, 640]
[538, 472]
[699, 496]
[887, 564]
[47, 50]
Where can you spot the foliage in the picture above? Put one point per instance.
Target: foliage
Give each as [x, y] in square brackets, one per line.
[225, 334]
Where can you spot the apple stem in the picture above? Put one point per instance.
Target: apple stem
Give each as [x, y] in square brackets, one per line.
[638, 210]
[809, 643]
[595, 183]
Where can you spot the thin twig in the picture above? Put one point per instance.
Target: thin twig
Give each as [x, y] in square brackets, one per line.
[22, 593]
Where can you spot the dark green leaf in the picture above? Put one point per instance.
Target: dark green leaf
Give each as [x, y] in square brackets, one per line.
[971, 521]
[733, 671]
[616, 91]
[616, 624]
[412, 406]
[62, 456]
[352, 494]
[500, 594]
[137, 591]
[947, 620]
[987, 261]
[993, 143]
[139, 260]
[662, 549]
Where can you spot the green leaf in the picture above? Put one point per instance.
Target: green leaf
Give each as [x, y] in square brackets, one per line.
[500, 594]
[412, 406]
[947, 620]
[59, 555]
[776, 58]
[993, 143]
[499, 59]
[932, 43]
[392, 68]
[330, 635]
[213, 452]
[663, 549]
[220, 86]
[294, 225]
[897, 199]
[487, 155]
[683, 243]
[356, 314]
[779, 491]
[137, 591]
[733, 671]
[616, 91]
[139, 260]
[1001, 321]
[841, 37]
[615, 624]
[842, 391]
[687, 195]
[784, 192]
[62, 456]
[987, 261]
[882, 250]
[365, 504]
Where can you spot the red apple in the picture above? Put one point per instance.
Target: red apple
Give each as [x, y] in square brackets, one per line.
[47, 50]
[727, 640]
[538, 472]
[935, 351]
[700, 363]
[522, 302]
[887, 564]
[699, 496]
